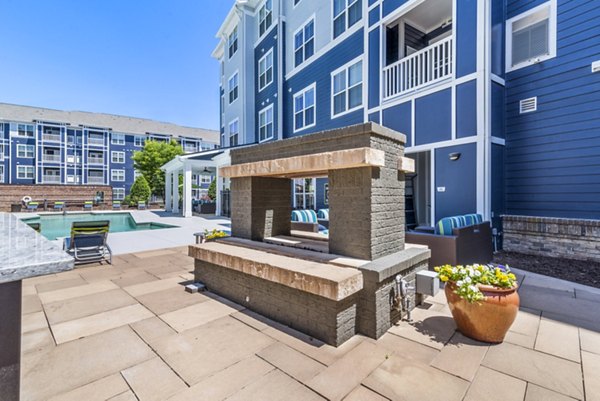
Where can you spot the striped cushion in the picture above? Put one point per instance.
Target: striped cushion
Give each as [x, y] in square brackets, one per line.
[445, 225]
[473, 219]
[323, 214]
[304, 216]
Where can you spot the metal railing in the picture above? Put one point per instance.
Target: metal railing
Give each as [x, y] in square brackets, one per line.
[95, 160]
[51, 179]
[51, 137]
[96, 141]
[427, 66]
[95, 180]
[51, 158]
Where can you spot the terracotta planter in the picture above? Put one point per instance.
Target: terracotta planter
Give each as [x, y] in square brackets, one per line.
[487, 320]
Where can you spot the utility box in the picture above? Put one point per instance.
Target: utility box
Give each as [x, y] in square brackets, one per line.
[428, 283]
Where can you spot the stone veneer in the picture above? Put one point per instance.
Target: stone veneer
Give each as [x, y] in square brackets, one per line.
[11, 193]
[555, 237]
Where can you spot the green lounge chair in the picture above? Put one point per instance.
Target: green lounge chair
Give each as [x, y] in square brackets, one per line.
[88, 242]
[116, 205]
[32, 206]
[59, 206]
[141, 205]
[88, 205]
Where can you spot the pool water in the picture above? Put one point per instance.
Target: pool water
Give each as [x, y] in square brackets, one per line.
[55, 226]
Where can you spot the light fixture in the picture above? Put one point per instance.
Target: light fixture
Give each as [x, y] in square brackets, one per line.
[454, 156]
[206, 170]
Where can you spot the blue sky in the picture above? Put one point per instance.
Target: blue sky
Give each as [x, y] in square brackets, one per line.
[147, 58]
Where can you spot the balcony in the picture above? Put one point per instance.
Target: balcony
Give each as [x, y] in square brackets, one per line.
[47, 158]
[95, 180]
[425, 67]
[96, 141]
[47, 137]
[51, 179]
[95, 160]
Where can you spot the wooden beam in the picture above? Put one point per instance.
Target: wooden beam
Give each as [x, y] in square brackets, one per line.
[406, 164]
[307, 165]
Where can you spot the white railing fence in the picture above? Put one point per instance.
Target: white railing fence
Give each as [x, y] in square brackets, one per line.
[422, 68]
[52, 179]
[51, 158]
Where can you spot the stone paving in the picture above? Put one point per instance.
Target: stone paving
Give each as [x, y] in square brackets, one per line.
[130, 332]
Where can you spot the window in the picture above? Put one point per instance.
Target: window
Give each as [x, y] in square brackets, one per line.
[25, 151]
[117, 157]
[25, 130]
[531, 36]
[117, 175]
[304, 43]
[1, 151]
[304, 193]
[117, 139]
[136, 174]
[139, 141]
[265, 124]
[304, 109]
[232, 42]
[265, 70]
[296, 2]
[205, 179]
[265, 17]
[118, 193]
[25, 172]
[1, 174]
[233, 88]
[345, 14]
[346, 89]
[234, 130]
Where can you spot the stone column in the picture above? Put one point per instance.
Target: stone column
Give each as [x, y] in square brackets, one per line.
[187, 191]
[176, 191]
[260, 207]
[10, 340]
[168, 191]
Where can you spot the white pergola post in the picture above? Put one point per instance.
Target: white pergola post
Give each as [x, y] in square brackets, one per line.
[219, 189]
[168, 191]
[175, 191]
[187, 190]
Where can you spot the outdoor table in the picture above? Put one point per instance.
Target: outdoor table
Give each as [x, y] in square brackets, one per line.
[23, 254]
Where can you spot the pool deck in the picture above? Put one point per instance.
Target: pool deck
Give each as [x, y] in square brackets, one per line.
[146, 240]
[130, 332]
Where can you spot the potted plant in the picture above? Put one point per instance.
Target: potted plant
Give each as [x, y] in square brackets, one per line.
[213, 235]
[483, 299]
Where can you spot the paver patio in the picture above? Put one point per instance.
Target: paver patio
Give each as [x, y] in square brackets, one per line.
[129, 331]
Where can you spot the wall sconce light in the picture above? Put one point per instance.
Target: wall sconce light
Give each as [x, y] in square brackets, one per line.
[454, 156]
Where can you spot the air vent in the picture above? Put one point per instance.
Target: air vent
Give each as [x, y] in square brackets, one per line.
[528, 105]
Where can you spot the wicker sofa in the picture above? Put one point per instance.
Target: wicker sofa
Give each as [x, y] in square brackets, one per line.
[456, 240]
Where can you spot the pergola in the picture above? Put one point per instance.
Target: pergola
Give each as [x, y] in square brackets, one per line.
[207, 163]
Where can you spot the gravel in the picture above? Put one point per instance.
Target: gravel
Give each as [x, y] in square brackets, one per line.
[578, 271]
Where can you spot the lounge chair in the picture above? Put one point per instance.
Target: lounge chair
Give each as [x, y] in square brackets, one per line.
[305, 220]
[323, 217]
[36, 226]
[88, 205]
[59, 206]
[88, 242]
[141, 205]
[32, 206]
[116, 205]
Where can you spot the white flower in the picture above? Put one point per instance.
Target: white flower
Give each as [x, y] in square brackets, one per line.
[477, 273]
[459, 283]
[473, 288]
[468, 279]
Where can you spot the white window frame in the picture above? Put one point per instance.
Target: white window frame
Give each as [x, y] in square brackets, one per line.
[205, 179]
[349, 3]
[346, 91]
[551, 6]
[232, 122]
[29, 149]
[266, 124]
[232, 42]
[263, 61]
[305, 195]
[120, 160]
[236, 87]
[304, 41]
[115, 171]
[263, 14]
[303, 92]
[117, 139]
[1, 173]
[26, 169]
[139, 141]
[26, 130]
[118, 193]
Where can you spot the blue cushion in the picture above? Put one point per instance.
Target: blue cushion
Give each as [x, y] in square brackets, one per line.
[304, 216]
[323, 214]
[473, 219]
[445, 225]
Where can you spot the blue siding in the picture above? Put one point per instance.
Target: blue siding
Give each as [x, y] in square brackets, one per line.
[466, 37]
[498, 201]
[374, 68]
[268, 95]
[319, 72]
[458, 178]
[498, 113]
[391, 5]
[433, 117]
[374, 117]
[398, 118]
[498, 35]
[552, 159]
[320, 193]
[374, 16]
[466, 109]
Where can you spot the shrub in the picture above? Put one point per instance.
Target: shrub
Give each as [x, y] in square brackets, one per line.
[212, 190]
[140, 191]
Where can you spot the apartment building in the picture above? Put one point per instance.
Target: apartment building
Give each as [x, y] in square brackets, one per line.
[44, 146]
[499, 99]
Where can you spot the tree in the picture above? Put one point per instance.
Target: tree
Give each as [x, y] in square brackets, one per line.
[212, 190]
[149, 160]
[140, 191]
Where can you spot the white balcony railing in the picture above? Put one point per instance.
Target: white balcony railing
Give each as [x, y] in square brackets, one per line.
[51, 158]
[96, 141]
[51, 137]
[51, 179]
[95, 180]
[427, 66]
[95, 160]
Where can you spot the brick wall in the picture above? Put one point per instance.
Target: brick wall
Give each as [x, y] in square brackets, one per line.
[10, 194]
[555, 237]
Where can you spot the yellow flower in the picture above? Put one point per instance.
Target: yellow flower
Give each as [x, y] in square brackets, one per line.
[444, 278]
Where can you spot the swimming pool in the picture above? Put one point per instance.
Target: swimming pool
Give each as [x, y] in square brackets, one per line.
[58, 225]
